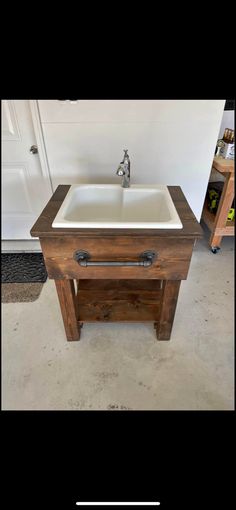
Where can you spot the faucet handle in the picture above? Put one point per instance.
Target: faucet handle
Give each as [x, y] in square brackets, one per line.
[126, 154]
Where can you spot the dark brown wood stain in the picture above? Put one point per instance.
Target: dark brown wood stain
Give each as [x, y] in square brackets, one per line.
[110, 294]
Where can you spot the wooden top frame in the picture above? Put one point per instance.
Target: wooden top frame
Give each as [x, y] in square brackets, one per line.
[43, 225]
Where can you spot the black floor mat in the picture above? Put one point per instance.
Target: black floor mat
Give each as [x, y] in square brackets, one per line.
[23, 268]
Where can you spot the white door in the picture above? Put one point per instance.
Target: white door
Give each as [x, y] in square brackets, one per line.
[25, 187]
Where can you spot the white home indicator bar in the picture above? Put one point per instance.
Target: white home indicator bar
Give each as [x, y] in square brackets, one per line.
[118, 503]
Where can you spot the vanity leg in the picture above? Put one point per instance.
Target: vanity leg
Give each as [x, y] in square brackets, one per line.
[167, 309]
[67, 300]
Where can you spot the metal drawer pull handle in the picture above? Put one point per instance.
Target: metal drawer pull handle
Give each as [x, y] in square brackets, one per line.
[146, 260]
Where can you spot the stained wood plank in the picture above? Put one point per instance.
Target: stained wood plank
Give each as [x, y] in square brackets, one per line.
[121, 285]
[116, 246]
[172, 261]
[69, 308]
[166, 269]
[168, 304]
[117, 305]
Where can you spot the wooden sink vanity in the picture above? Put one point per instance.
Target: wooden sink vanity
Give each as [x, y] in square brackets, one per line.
[94, 286]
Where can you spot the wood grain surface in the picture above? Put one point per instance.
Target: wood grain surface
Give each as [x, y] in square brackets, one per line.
[132, 294]
[171, 262]
[119, 300]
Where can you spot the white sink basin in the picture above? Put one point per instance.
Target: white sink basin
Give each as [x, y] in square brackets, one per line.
[111, 206]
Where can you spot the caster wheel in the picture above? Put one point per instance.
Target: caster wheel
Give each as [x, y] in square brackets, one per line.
[215, 249]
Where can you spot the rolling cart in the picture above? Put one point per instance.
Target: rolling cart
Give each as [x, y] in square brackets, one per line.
[218, 223]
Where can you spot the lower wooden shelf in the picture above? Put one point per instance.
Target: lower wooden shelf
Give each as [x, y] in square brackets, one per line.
[230, 224]
[218, 224]
[210, 220]
[119, 300]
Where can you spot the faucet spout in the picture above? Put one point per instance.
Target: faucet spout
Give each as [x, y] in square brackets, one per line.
[124, 170]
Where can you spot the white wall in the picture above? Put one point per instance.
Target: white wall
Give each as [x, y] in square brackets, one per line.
[170, 142]
[226, 122]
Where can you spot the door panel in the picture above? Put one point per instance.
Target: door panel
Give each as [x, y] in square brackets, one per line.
[25, 190]
[14, 181]
[10, 129]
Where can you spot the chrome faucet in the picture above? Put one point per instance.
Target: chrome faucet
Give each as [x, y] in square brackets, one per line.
[124, 170]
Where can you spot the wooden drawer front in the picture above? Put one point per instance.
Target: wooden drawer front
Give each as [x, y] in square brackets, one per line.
[172, 261]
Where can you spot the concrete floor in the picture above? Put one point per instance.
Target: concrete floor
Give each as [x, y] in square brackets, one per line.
[122, 366]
